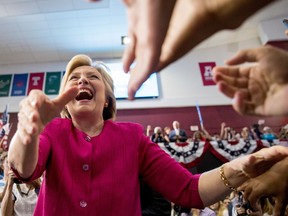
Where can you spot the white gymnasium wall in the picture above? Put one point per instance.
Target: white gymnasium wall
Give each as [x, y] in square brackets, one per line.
[180, 83]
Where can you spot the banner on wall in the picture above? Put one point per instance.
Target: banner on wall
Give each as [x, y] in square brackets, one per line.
[19, 84]
[5, 84]
[52, 83]
[206, 72]
[36, 81]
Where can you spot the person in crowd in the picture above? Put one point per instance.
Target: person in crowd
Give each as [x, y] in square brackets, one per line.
[181, 211]
[198, 136]
[222, 130]
[257, 89]
[229, 134]
[81, 153]
[167, 130]
[148, 129]
[245, 134]
[207, 212]
[203, 212]
[240, 205]
[17, 198]
[3, 182]
[177, 134]
[224, 207]
[215, 207]
[268, 134]
[3, 161]
[256, 131]
[158, 136]
[20, 198]
[201, 135]
[283, 133]
[206, 135]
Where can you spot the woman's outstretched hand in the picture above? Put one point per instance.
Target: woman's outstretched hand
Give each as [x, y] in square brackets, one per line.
[37, 110]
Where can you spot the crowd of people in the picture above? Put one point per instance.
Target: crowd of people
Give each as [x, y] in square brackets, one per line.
[254, 132]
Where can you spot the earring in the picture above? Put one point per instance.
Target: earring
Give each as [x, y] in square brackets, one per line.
[106, 104]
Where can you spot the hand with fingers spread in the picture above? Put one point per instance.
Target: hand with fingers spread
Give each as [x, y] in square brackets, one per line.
[37, 110]
[272, 183]
[260, 88]
[163, 31]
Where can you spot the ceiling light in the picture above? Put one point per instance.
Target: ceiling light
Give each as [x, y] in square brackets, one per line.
[125, 40]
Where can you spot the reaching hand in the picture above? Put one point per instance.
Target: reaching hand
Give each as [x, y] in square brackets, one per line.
[273, 183]
[257, 89]
[147, 27]
[37, 110]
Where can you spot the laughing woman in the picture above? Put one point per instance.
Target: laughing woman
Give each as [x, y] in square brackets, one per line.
[92, 164]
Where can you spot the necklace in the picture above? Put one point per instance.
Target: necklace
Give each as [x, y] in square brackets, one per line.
[23, 193]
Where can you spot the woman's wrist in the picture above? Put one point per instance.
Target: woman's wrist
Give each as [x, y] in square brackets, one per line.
[231, 176]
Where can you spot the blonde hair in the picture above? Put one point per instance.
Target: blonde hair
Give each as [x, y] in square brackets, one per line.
[267, 206]
[84, 60]
[157, 128]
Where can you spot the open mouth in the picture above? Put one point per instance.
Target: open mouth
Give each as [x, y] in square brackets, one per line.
[84, 94]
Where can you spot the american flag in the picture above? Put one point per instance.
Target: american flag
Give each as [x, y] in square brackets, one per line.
[5, 116]
[4, 129]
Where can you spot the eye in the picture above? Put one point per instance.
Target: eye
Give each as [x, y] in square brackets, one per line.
[94, 77]
[73, 78]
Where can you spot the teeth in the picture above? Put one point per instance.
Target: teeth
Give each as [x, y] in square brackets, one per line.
[84, 94]
[85, 90]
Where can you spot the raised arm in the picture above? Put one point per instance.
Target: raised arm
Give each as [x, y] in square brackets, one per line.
[236, 172]
[222, 131]
[7, 204]
[206, 133]
[35, 112]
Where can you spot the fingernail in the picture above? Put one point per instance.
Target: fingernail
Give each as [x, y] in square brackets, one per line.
[33, 102]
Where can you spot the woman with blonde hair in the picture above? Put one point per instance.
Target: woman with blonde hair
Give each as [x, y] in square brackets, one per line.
[93, 164]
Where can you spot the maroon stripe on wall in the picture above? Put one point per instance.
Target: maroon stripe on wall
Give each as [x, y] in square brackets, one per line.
[212, 116]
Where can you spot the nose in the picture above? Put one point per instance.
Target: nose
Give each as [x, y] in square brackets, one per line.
[83, 80]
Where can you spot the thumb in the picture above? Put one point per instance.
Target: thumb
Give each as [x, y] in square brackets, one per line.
[65, 97]
[247, 55]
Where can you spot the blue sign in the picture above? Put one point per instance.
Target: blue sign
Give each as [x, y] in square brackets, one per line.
[19, 85]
